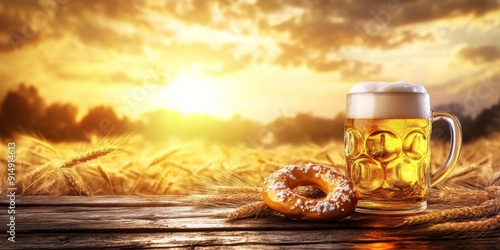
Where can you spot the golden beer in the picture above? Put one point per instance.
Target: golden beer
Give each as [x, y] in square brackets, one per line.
[388, 160]
[386, 144]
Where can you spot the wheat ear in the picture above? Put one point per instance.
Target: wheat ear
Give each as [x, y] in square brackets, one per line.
[494, 178]
[230, 199]
[469, 168]
[39, 178]
[43, 189]
[484, 225]
[255, 209]
[76, 186]
[88, 156]
[104, 174]
[163, 156]
[486, 209]
[44, 145]
[458, 195]
[233, 190]
[155, 161]
[493, 192]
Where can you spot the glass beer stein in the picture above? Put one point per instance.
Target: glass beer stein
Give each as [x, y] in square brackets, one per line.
[387, 146]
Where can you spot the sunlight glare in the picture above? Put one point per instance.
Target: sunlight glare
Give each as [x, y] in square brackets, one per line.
[190, 94]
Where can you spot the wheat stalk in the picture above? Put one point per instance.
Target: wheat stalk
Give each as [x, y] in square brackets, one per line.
[493, 192]
[269, 162]
[155, 161]
[233, 190]
[137, 183]
[88, 156]
[39, 170]
[158, 184]
[39, 155]
[163, 156]
[179, 167]
[75, 185]
[43, 145]
[104, 174]
[36, 171]
[486, 209]
[483, 225]
[255, 209]
[458, 195]
[459, 172]
[229, 199]
[43, 189]
[494, 178]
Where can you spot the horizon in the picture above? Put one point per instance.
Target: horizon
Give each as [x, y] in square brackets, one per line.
[25, 111]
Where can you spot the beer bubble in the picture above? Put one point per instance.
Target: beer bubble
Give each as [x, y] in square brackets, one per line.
[383, 145]
[367, 174]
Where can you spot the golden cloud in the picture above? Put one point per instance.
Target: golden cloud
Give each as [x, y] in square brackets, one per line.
[479, 54]
[309, 33]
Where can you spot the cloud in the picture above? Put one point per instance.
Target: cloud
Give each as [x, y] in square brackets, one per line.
[101, 76]
[476, 92]
[318, 36]
[355, 70]
[314, 34]
[26, 23]
[479, 54]
[421, 11]
[94, 35]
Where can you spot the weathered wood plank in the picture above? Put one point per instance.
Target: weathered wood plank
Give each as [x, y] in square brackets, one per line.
[131, 222]
[97, 201]
[252, 239]
[35, 219]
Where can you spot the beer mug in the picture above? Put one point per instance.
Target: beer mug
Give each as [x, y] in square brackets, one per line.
[387, 146]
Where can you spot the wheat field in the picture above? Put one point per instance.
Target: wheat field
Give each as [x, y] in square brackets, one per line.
[232, 175]
[128, 166]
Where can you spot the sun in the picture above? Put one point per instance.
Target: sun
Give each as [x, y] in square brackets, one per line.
[190, 94]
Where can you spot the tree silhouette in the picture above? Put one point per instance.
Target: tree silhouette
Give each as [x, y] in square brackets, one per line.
[102, 121]
[487, 122]
[59, 123]
[309, 128]
[441, 129]
[20, 110]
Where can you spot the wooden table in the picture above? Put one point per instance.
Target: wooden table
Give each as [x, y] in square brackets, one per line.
[170, 222]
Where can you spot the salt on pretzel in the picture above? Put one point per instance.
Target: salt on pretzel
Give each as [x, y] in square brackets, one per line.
[340, 200]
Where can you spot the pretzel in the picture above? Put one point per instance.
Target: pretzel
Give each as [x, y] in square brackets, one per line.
[340, 200]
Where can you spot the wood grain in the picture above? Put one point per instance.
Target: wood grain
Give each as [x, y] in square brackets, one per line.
[173, 221]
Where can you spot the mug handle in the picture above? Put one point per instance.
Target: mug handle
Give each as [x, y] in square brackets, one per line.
[455, 146]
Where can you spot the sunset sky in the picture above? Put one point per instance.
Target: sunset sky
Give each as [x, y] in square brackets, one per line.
[261, 58]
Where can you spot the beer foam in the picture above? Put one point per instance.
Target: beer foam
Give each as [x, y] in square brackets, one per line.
[378, 100]
[377, 87]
